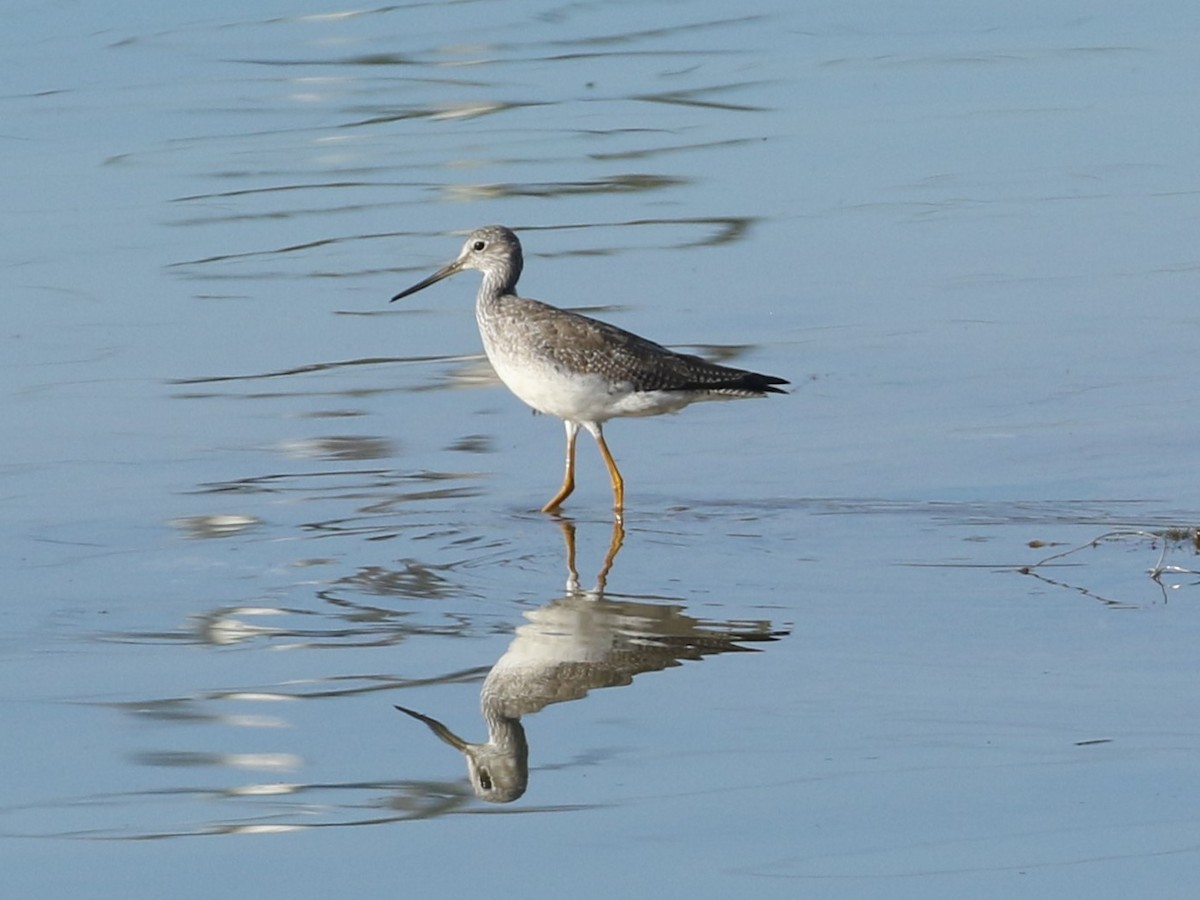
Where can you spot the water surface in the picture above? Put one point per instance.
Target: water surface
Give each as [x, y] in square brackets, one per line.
[249, 506]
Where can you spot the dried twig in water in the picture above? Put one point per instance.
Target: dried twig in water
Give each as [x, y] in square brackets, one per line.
[1168, 536]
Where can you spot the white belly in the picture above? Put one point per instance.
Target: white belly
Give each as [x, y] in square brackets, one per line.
[579, 397]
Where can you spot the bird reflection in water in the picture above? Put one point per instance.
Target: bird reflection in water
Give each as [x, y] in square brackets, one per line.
[571, 645]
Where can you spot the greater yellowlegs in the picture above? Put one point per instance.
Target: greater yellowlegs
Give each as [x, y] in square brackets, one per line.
[572, 645]
[574, 367]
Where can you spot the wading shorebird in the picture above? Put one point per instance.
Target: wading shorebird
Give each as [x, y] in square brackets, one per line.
[579, 369]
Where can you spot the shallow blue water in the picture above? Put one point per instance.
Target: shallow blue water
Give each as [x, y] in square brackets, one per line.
[248, 505]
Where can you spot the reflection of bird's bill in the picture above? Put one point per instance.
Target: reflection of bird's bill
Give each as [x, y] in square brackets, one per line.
[437, 728]
[444, 272]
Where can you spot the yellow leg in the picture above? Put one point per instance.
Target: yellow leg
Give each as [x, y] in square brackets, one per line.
[568, 530]
[568, 484]
[618, 483]
[614, 546]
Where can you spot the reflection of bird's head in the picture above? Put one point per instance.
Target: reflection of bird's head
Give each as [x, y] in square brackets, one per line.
[497, 775]
[499, 769]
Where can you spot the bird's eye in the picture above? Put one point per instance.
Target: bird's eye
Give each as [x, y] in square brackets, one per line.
[485, 779]
[478, 245]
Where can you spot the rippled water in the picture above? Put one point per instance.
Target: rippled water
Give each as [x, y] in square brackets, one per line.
[893, 635]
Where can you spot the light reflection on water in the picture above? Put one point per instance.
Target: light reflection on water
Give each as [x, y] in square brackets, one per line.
[569, 646]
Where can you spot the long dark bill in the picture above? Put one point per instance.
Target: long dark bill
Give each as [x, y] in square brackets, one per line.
[444, 272]
[437, 728]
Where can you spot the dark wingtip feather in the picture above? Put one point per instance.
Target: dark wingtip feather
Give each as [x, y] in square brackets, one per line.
[755, 383]
[765, 383]
[739, 382]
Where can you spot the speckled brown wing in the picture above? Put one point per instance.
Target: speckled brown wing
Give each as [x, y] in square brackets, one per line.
[582, 344]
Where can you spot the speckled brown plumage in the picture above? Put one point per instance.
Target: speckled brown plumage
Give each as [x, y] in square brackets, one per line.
[579, 343]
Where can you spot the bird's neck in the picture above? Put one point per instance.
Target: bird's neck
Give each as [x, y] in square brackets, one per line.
[505, 733]
[496, 285]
